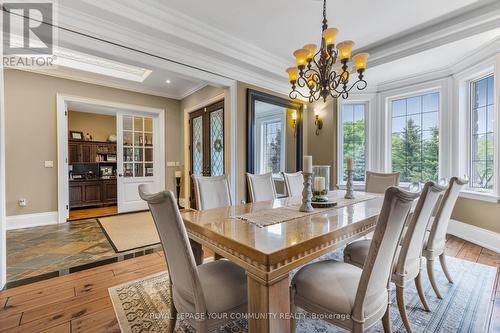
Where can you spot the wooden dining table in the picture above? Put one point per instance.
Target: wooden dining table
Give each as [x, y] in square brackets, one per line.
[270, 253]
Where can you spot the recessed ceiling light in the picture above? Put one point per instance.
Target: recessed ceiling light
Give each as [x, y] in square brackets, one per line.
[168, 81]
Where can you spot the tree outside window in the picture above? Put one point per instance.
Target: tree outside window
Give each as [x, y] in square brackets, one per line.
[415, 137]
[353, 139]
[482, 133]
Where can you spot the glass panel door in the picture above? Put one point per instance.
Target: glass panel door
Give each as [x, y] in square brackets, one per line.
[207, 142]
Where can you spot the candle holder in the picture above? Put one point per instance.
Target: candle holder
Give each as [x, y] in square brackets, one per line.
[178, 191]
[320, 196]
[307, 193]
[349, 193]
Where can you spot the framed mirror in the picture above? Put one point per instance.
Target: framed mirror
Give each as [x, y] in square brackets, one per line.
[274, 134]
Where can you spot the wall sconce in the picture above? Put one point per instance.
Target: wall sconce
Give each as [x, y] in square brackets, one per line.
[294, 122]
[318, 123]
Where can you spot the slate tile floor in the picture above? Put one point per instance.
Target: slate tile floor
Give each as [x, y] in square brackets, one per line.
[41, 250]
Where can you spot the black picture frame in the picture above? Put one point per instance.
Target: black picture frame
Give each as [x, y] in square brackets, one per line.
[254, 96]
[75, 135]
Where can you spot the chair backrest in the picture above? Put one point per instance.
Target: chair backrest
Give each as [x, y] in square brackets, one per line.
[294, 183]
[379, 182]
[377, 269]
[175, 242]
[212, 192]
[411, 248]
[437, 236]
[261, 187]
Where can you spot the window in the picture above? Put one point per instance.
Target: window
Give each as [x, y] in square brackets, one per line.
[353, 140]
[415, 137]
[271, 146]
[482, 122]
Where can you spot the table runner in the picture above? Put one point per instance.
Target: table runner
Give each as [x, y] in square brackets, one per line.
[267, 217]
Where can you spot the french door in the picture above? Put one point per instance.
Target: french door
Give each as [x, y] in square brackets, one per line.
[207, 142]
[138, 158]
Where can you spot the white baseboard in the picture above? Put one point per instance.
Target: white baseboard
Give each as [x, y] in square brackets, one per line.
[31, 220]
[482, 237]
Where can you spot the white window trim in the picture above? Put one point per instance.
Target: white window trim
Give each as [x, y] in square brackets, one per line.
[386, 98]
[340, 151]
[462, 125]
[259, 123]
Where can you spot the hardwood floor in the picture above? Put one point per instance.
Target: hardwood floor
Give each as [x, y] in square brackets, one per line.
[79, 302]
[89, 213]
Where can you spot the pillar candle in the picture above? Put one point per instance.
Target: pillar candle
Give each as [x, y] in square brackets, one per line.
[349, 164]
[308, 164]
[319, 184]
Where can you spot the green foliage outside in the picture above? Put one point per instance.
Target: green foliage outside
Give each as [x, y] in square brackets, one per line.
[354, 147]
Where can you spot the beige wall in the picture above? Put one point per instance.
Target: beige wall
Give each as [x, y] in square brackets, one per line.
[322, 147]
[99, 126]
[31, 134]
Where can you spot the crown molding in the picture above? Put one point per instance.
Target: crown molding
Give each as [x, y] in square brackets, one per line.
[468, 21]
[178, 56]
[95, 81]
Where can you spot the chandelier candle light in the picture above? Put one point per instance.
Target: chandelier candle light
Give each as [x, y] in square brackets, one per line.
[317, 73]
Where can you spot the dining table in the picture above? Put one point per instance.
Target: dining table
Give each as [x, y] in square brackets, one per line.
[270, 239]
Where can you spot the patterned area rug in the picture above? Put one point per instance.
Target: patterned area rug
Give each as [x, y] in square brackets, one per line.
[142, 305]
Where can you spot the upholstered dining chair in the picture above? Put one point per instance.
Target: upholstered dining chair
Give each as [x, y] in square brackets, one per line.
[409, 254]
[377, 182]
[294, 183]
[435, 240]
[218, 288]
[261, 187]
[211, 192]
[356, 298]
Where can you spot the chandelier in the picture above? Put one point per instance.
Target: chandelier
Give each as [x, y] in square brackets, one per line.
[320, 73]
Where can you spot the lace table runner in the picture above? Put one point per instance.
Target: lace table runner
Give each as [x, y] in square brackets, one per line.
[266, 217]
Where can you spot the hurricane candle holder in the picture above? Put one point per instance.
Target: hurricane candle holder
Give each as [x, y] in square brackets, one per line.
[307, 193]
[349, 193]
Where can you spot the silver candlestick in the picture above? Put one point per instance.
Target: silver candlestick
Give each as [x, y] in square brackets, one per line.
[307, 193]
[349, 193]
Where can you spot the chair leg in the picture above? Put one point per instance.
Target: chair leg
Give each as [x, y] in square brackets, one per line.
[442, 260]
[293, 311]
[358, 328]
[430, 272]
[421, 294]
[402, 309]
[386, 320]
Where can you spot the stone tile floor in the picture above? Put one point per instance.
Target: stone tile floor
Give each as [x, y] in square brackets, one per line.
[39, 250]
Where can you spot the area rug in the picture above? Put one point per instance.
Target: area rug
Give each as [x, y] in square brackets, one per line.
[143, 305]
[130, 231]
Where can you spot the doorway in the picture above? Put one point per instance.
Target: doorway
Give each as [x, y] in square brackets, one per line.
[206, 143]
[132, 155]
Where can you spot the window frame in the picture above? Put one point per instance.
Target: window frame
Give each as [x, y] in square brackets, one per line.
[340, 140]
[260, 122]
[409, 93]
[470, 107]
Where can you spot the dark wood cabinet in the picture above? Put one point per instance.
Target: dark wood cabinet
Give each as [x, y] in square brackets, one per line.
[97, 192]
[89, 152]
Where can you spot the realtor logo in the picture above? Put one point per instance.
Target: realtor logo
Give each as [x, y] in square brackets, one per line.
[28, 33]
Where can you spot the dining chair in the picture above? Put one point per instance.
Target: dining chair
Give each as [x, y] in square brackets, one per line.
[377, 182]
[218, 288]
[409, 254]
[211, 192]
[435, 240]
[261, 187]
[294, 183]
[348, 296]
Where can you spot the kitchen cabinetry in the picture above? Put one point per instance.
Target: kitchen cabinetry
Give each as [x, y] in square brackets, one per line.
[92, 192]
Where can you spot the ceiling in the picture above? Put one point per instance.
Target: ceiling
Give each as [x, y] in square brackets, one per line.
[216, 42]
